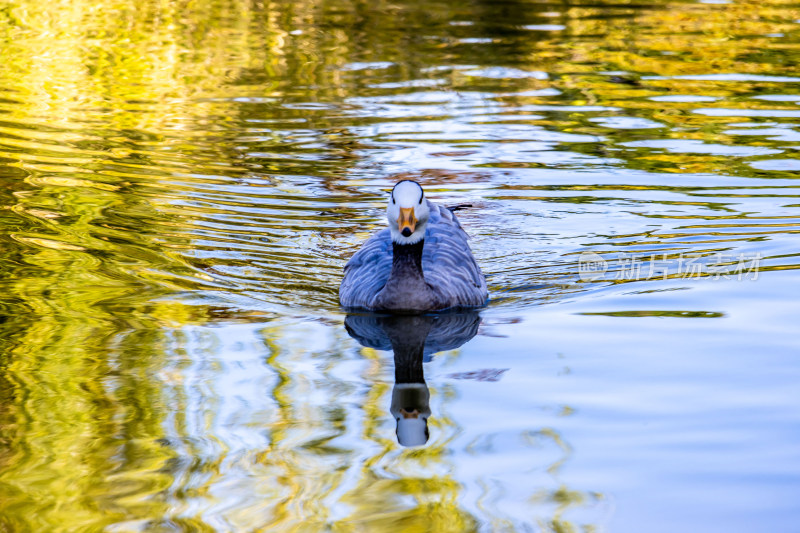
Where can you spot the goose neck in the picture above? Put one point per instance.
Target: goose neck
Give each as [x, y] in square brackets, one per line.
[407, 258]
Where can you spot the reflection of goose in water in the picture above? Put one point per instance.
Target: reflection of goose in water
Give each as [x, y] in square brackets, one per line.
[421, 262]
[412, 339]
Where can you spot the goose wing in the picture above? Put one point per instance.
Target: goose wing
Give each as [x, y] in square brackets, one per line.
[447, 261]
[367, 271]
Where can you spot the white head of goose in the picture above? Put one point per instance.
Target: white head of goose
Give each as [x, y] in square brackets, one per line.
[420, 263]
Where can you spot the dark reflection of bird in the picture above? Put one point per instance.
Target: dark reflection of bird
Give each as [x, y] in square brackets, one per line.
[420, 263]
[412, 338]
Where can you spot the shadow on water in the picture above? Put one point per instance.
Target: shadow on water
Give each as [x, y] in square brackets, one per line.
[413, 339]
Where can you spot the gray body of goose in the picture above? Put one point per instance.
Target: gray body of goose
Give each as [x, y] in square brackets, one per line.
[420, 263]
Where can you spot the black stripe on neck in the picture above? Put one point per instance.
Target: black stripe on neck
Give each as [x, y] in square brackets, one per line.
[407, 255]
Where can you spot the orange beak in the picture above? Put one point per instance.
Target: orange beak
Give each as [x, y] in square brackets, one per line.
[407, 222]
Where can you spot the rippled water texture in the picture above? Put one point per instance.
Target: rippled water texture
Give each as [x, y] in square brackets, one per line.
[182, 183]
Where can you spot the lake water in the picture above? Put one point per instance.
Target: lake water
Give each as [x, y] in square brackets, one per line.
[182, 183]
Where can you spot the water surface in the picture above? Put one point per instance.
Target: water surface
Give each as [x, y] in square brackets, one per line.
[182, 184]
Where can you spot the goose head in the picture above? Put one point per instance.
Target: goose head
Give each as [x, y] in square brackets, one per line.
[407, 212]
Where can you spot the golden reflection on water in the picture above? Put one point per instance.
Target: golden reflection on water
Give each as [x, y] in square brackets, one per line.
[173, 165]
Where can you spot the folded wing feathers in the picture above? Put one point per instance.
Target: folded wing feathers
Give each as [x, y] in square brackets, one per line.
[447, 261]
[367, 271]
